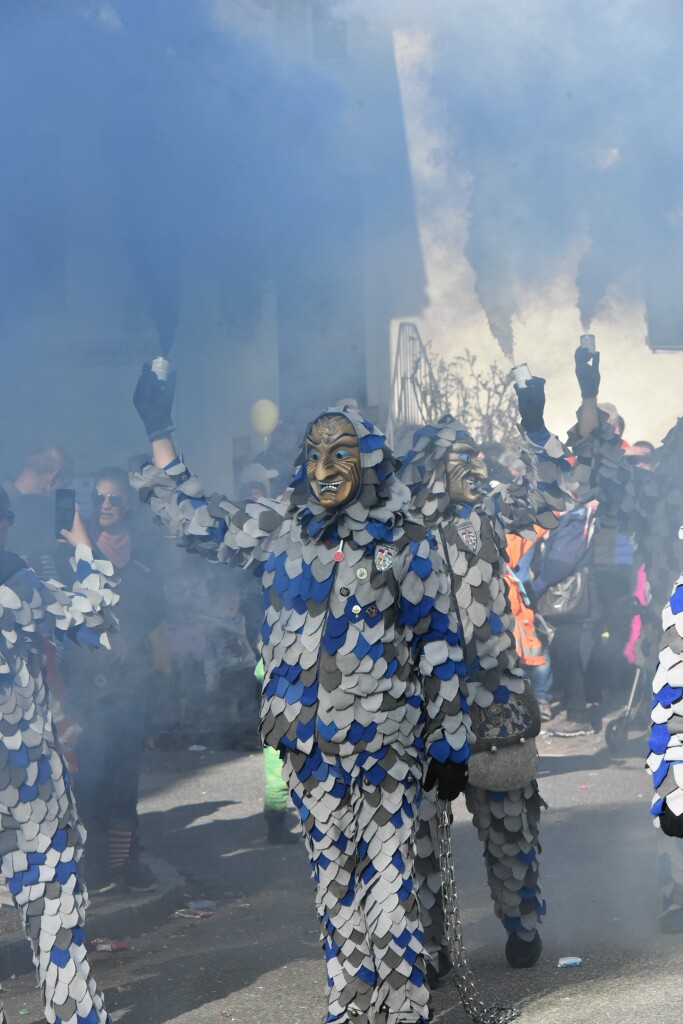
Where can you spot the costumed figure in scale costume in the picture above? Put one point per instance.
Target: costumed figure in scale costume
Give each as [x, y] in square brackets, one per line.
[470, 521]
[41, 837]
[665, 761]
[362, 682]
[647, 505]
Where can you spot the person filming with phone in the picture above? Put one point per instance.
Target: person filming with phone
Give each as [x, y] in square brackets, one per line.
[107, 697]
[42, 837]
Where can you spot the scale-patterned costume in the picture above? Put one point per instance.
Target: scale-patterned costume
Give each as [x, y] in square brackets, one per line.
[363, 682]
[665, 761]
[41, 837]
[473, 542]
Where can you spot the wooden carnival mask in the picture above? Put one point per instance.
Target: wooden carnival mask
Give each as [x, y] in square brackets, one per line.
[466, 473]
[333, 461]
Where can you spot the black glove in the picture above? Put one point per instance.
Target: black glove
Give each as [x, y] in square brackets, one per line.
[672, 824]
[451, 777]
[153, 399]
[587, 372]
[531, 401]
[10, 565]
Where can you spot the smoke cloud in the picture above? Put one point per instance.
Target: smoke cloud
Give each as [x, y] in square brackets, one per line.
[189, 175]
[184, 175]
[564, 115]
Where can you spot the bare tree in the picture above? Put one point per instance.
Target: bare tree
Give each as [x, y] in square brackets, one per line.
[479, 394]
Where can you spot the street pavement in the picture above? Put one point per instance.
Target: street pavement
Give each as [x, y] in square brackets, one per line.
[257, 959]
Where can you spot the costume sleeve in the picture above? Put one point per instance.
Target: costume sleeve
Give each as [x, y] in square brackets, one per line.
[219, 529]
[548, 484]
[425, 604]
[665, 761]
[31, 607]
[622, 490]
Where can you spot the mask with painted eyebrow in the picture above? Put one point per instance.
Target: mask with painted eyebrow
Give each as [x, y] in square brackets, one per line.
[333, 461]
[466, 474]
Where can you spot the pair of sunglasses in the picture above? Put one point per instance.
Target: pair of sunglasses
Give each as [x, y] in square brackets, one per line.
[9, 516]
[115, 500]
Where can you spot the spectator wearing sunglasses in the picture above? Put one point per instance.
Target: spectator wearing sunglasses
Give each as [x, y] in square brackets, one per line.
[108, 698]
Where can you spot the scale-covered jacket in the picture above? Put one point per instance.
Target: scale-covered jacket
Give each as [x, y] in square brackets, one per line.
[648, 504]
[33, 612]
[474, 544]
[361, 655]
[665, 761]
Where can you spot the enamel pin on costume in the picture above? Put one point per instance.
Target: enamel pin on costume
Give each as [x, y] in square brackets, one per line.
[384, 556]
[468, 535]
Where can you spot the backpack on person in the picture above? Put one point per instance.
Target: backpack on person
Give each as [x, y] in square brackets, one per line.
[561, 585]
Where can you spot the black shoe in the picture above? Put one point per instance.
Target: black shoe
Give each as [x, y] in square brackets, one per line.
[278, 833]
[97, 879]
[135, 875]
[519, 953]
[570, 727]
[100, 885]
[671, 923]
[437, 971]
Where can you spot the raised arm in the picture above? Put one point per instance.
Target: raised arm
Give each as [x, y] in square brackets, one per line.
[601, 467]
[547, 484]
[587, 365]
[30, 606]
[215, 527]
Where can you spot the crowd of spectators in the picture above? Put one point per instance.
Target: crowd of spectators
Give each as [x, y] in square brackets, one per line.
[578, 594]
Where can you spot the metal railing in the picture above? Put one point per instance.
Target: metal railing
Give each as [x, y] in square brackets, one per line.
[415, 395]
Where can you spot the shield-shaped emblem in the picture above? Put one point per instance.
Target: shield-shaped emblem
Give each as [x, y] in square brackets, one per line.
[384, 556]
[468, 534]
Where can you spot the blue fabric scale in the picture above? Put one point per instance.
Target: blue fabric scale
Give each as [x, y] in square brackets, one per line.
[676, 601]
[667, 696]
[496, 624]
[19, 758]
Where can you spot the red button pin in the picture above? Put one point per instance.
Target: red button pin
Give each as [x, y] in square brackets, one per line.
[339, 554]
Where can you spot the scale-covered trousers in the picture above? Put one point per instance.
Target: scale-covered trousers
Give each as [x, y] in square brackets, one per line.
[508, 825]
[360, 840]
[41, 842]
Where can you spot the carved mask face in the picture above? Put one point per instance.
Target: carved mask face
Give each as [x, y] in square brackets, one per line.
[466, 474]
[333, 461]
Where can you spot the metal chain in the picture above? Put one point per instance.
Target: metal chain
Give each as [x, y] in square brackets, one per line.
[472, 1003]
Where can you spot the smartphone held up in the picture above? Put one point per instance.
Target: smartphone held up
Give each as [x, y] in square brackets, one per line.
[65, 510]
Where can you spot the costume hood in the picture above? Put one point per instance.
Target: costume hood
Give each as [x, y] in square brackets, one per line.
[425, 468]
[382, 502]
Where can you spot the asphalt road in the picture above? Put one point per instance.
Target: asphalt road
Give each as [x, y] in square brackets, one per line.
[257, 960]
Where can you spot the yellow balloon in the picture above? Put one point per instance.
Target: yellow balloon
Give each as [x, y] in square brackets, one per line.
[265, 416]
